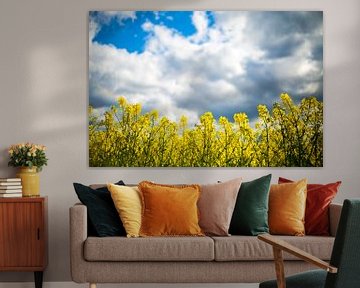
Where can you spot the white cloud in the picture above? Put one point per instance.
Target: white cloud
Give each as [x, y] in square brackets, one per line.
[93, 29]
[147, 26]
[105, 16]
[188, 76]
[200, 21]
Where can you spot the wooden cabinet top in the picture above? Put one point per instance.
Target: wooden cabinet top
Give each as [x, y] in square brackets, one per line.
[24, 199]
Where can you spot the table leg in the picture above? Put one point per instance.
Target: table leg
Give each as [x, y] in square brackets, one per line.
[38, 279]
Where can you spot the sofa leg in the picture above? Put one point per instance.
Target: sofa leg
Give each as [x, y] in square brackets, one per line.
[92, 285]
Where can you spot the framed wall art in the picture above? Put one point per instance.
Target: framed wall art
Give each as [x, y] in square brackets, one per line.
[205, 89]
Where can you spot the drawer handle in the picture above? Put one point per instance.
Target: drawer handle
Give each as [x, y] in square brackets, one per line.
[38, 234]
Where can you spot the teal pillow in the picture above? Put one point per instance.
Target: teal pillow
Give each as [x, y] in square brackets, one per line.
[250, 216]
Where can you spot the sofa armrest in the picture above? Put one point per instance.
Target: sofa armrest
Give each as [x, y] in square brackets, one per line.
[78, 235]
[334, 217]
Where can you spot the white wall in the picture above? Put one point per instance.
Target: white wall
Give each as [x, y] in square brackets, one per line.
[43, 90]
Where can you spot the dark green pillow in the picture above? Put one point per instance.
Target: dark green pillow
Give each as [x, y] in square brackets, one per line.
[250, 216]
[103, 218]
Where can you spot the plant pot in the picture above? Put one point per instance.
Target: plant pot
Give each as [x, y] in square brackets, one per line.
[30, 181]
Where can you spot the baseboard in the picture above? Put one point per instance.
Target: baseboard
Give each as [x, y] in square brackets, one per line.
[74, 285]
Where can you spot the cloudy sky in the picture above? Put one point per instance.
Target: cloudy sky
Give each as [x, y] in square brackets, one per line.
[190, 62]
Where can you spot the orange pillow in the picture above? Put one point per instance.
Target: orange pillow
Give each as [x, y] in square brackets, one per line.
[318, 200]
[169, 210]
[287, 204]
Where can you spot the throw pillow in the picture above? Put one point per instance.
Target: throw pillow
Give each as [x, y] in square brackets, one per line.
[216, 206]
[102, 214]
[250, 215]
[319, 197]
[287, 204]
[169, 210]
[127, 201]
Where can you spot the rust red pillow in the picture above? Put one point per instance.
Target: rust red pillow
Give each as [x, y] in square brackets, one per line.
[319, 197]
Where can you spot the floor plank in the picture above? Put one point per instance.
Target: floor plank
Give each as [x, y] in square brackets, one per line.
[74, 285]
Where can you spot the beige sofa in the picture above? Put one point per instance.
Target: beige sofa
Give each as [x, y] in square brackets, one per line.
[234, 259]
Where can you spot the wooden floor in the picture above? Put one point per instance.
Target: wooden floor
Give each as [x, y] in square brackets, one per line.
[74, 285]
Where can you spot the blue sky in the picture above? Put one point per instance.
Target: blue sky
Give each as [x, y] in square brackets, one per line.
[130, 35]
[190, 62]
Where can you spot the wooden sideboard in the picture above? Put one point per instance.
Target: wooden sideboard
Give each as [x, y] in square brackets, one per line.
[23, 235]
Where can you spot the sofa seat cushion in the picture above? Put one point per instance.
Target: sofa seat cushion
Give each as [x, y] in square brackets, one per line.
[243, 248]
[149, 249]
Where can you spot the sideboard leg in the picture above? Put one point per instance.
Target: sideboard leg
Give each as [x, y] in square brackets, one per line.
[92, 285]
[38, 279]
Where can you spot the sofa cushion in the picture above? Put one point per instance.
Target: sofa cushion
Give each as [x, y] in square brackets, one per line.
[216, 206]
[169, 210]
[127, 201]
[244, 248]
[102, 215]
[287, 204]
[149, 249]
[318, 199]
[250, 215]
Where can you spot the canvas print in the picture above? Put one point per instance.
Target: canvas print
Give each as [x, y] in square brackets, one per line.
[205, 89]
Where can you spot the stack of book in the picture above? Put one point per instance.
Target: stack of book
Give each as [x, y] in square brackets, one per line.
[10, 187]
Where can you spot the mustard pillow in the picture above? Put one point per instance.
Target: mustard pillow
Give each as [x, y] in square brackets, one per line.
[127, 201]
[169, 210]
[287, 204]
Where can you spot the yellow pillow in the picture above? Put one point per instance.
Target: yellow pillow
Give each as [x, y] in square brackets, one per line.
[127, 201]
[287, 204]
[169, 210]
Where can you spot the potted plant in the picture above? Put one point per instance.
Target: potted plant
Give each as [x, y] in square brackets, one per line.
[30, 158]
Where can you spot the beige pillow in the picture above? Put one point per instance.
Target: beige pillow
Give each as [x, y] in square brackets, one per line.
[216, 205]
